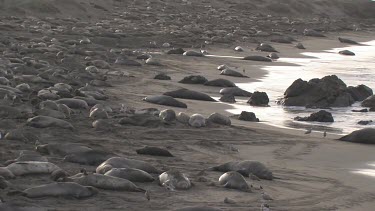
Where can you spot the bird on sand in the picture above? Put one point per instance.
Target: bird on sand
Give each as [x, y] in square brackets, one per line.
[325, 134]
[308, 131]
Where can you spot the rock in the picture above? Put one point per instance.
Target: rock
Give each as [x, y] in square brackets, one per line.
[162, 76]
[365, 136]
[230, 72]
[248, 116]
[176, 51]
[329, 91]
[235, 91]
[369, 102]
[364, 122]
[219, 119]
[258, 99]
[320, 116]
[360, 92]
[220, 83]
[194, 79]
[193, 53]
[258, 58]
[312, 33]
[228, 98]
[189, 94]
[265, 47]
[347, 53]
[300, 46]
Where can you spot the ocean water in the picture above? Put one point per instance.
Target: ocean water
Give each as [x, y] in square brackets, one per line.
[353, 70]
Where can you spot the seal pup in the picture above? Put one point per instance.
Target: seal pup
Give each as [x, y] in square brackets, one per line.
[165, 100]
[131, 174]
[197, 120]
[32, 167]
[47, 121]
[245, 168]
[90, 157]
[155, 151]
[60, 189]
[120, 162]
[174, 179]
[234, 180]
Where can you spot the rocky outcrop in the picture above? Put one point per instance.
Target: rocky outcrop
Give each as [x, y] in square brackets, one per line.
[259, 99]
[365, 136]
[248, 116]
[320, 116]
[330, 91]
[369, 102]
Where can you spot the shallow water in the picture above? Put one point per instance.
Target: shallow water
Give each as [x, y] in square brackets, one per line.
[353, 70]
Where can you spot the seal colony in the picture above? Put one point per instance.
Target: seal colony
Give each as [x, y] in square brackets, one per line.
[82, 116]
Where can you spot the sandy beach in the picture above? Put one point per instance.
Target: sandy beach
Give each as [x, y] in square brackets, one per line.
[311, 172]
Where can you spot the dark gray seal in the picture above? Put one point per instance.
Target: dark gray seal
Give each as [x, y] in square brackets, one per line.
[235, 91]
[174, 179]
[234, 180]
[193, 53]
[32, 167]
[73, 103]
[46, 122]
[155, 151]
[120, 162]
[258, 58]
[92, 157]
[62, 149]
[189, 94]
[364, 136]
[219, 119]
[165, 100]
[233, 73]
[220, 82]
[134, 175]
[246, 167]
[193, 79]
[265, 47]
[348, 41]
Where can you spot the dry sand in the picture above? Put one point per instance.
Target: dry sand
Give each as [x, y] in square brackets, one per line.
[313, 173]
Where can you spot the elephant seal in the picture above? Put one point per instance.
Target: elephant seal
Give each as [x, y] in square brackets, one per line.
[193, 79]
[183, 118]
[133, 175]
[220, 83]
[238, 48]
[32, 167]
[104, 182]
[7, 112]
[273, 55]
[176, 51]
[153, 61]
[120, 162]
[162, 76]
[6, 173]
[98, 113]
[46, 121]
[64, 109]
[227, 99]
[102, 125]
[235, 91]
[155, 151]
[312, 33]
[174, 179]
[62, 149]
[50, 113]
[4, 184]
[189, 94]
[233, 73]
[73, 103]
[193, 53]
[60, 189]
[364, 136]
[23, 87]
[197, 120]
[165, 100]
[348, 41]
[28, 156]
[48, 104]
[167, 115]
[246, 167]
[219, 119]
[144, 120]
[258, 58]
[91, 157]
[199, 209]
[265, 47]
[347, 53]
[234, 180]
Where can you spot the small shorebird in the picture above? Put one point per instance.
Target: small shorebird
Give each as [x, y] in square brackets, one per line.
[325, 134]
[308, 131]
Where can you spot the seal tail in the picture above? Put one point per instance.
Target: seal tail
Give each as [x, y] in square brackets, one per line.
[16, 193]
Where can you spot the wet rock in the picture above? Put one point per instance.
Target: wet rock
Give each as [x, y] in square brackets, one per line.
[360, 92]
[258, 99]
[248, 116]
[364, 122]
[320, 116]
[162, 76]
[347, 53]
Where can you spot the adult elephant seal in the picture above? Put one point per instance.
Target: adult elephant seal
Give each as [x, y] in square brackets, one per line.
[234, 180]
[46, 122]
[91, 157]
[174, 179]
[32, 167]
[156, 151]
[364, 136]
[165, 100]
[220, 83]
[73, 103]
[199, 209]
[189, 94]
[104, 182]
[28, 156]
[246, 168]
[233, 73]
[6, 173]
[258, 58]
[64, 189]
[120, 162]
[197, 120]
[134, 175]
[62, 149]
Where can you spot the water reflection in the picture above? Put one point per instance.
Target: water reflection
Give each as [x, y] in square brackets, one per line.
[368, 172]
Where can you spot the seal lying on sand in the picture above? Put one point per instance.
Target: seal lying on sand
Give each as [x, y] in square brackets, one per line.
[193, 79]
[344, 40]
[199, 209]
[220, 83]
[6, 173]
[120, 162]
[234, 180]
[174, 179]
[64, 189]
[165, 100]
[28, 156]
[134, 175]
[73, 103]
[61, 149]
[189, 94]
[230, 72]
[258, 58]
[156, 151]
[167, 115]
[144, 120]
[246, 167]
[266, 47]
[364, 136]
[92, 157]
[197, 120]
[46, 121]
[32, 167]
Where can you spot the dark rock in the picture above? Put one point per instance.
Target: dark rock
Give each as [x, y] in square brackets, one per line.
[162, 76]
[369, 102]
[360, 92]
[364, 122]
[189, 94]
[176, 51]
[248, 116]
[259, 99]
[365, 136]
[235, 91]
[320, 116]
[194, 79]
[228, 99]
[220, 83]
